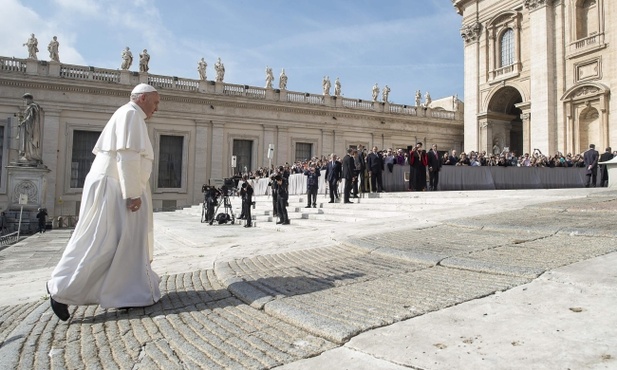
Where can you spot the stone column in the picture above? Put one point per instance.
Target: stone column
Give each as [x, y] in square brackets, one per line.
[471, 36]
[544, 101]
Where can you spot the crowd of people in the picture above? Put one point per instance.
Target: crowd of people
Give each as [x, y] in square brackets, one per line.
[423, 163]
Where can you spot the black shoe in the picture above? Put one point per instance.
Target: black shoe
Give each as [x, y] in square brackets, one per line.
[331, 201]
[355, 196]
[279, 222]
[60, 309]
[248, 225]
[348, 202]
[314, 205]
[286, 222]
[309, 206]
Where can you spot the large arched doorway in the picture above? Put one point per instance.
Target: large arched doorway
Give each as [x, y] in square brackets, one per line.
[504, 124]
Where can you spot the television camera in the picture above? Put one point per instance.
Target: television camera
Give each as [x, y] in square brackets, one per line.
[214, 199]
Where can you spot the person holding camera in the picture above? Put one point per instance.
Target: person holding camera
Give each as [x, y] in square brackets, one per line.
[282, 198]
[312, 185]
[247, 201]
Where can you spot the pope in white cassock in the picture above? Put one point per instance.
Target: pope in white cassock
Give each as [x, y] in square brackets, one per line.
[107, 260]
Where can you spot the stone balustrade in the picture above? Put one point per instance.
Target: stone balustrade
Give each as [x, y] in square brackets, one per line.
[123, 77]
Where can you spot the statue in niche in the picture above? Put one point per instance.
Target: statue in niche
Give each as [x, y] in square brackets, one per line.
[283, 80]
[418, 98]
[385, 93]
[30, 131]
[326, 85]
[427, 100]
[33, 47]
[375, 92]
[337, 87]
[127, 59]
[53, 47]
[269, 77]
[219, 67]
[144, 59]
[201, 68]
[496, 147]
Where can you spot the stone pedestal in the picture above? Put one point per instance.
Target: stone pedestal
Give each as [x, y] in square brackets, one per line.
[31, 181]
[611, 166]
[54, 68]
[28, 180]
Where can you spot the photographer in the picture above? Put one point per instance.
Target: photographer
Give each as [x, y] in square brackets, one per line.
[282, 197]
[247, 201]
[312, 185]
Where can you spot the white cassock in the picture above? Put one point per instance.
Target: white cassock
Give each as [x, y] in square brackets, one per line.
[107, 260]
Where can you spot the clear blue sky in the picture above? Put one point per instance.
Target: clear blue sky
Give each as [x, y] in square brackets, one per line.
[408, 45]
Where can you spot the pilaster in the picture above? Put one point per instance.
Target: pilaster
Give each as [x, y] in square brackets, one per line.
[543, 97]
[202, 159]
[51, 133]
[471, 36]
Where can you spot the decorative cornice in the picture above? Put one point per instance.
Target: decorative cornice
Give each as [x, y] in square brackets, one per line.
[471, 32]
[532, 5]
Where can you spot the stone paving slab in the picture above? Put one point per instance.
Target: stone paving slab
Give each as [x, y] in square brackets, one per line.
[343, 312]
[531, 259]
[433, 244]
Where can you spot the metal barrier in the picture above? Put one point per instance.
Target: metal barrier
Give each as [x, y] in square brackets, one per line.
[8, 239]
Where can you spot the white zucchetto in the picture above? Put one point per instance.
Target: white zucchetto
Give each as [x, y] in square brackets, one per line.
[143, 88]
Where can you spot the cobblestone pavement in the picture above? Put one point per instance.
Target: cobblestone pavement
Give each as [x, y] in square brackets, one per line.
[268, 310]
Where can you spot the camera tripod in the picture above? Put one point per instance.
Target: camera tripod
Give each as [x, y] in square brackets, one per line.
[211, 205]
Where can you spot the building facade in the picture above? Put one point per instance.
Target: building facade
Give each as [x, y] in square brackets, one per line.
[203, 130]
[539, 73]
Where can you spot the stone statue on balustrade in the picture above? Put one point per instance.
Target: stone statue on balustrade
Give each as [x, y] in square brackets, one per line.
[127, 59]
[219, 67]
[33, 47]
[144, 60]
[418, 98]
[427, 100]
[283, 80]
[326, 85]
[337, 87]
[375, 92]
[201, 68]
[30, 132]
[269, 77]
[385, 93]
[53, 47]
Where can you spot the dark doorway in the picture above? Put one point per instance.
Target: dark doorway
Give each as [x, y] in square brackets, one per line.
[243, 150]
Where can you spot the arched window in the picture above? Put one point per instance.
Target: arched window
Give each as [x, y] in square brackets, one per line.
[507, 48]
[586, 18]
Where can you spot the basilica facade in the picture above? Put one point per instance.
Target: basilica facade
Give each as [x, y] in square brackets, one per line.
[539, 74]
[204, 130]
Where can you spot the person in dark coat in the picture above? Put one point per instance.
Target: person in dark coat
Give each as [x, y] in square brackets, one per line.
[42, 216]
[333, 176]
[375, 165]
[606, 156]
[434, 166]
[282, 198]
[591, 157]
[349, 173]
[312, 185]
[247, 201]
